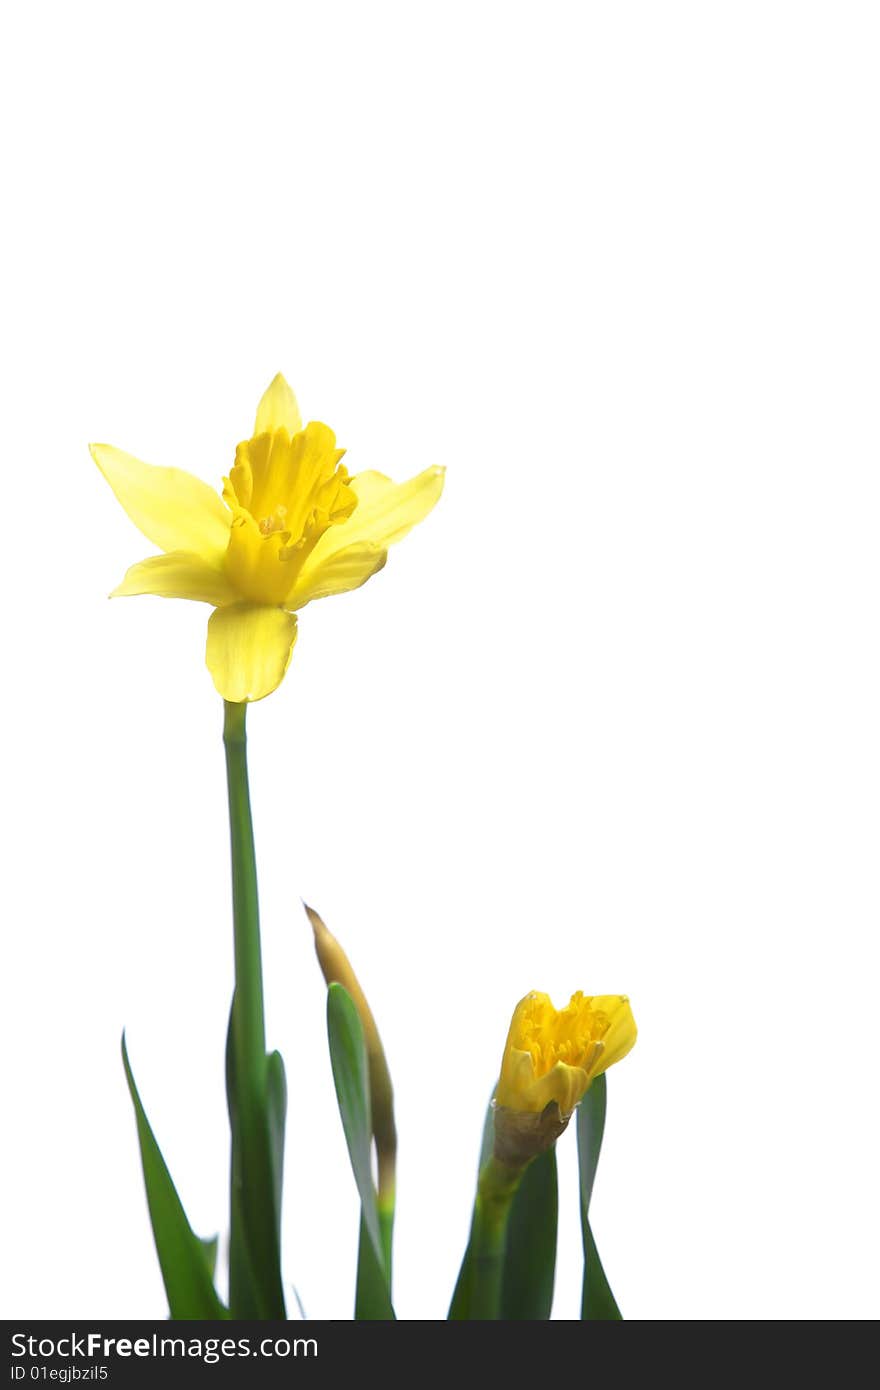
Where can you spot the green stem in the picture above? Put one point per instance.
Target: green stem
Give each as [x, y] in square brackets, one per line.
[255, 1287]
[495, 1192]
[250, 1028]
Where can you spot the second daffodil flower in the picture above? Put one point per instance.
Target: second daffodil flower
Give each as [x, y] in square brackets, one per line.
[291, 526]
[550, 1059]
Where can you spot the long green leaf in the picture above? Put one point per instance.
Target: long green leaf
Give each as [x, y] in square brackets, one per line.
[210, 1244]
[371, 1301]
[243, 1299]
[530, 1251]
[277, 1115]
[598, 1303]
[348, 1058]
[530, 1256]
[186, 1261]
[460, 1307]
[257, 1148]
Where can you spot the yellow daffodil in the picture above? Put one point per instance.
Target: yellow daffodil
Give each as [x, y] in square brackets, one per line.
[553, 1055]
[291, 526]
[550, 1060]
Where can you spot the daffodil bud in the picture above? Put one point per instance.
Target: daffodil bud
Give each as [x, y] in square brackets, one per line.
[550, 1059]
[337, 969]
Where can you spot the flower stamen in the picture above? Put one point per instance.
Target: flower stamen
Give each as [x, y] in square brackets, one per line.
[271, 525]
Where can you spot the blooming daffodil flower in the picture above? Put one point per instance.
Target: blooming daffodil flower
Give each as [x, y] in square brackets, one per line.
[554, 1055]
[291, 526]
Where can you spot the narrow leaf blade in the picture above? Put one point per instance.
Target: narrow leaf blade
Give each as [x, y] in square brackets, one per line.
[372, 1303]
[186, 1261]
[460, 1307]
[243, 1298]
[257, 1128]
[598, 1303]
[530, 1255]
[348, 1058]
[277, 1114]
[209, 1244]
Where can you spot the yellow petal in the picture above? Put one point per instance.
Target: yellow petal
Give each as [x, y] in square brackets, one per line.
[564, 1084]
[249, 648]
[173, 509]
[516, 1080]
[621, 1035]
[278, 409]
[385, 512]
[339, 573]
[178, 575]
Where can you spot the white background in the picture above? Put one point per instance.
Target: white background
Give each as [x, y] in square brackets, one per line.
[609, 718]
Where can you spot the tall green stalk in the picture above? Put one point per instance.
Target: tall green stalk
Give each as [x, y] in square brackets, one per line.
[255, 1082]
[249, 1019]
